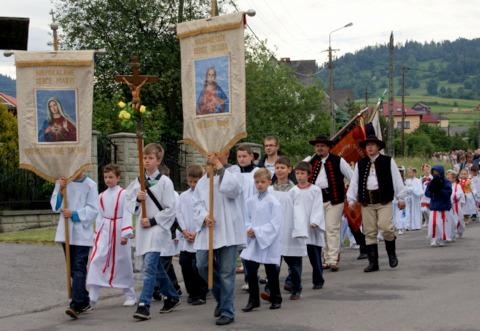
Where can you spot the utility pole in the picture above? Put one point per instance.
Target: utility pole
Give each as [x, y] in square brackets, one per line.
[403, 110]
[390, 145]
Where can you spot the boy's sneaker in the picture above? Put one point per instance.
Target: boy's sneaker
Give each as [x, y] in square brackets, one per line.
[143, 312]
[86, 309]
[157, 296]
[72, 313]
[169, 304]
[130, 302]
[198, 302]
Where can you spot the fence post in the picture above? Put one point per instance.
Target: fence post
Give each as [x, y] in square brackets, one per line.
[127, 158]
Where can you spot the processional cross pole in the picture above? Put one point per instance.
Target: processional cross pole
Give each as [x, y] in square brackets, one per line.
[135, 82]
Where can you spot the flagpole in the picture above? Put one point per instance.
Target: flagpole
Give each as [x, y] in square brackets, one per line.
[211, 214]
[210, 228]
[68, 268]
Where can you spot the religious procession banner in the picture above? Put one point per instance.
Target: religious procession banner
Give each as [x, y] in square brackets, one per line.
[54, 109]
[213, 82]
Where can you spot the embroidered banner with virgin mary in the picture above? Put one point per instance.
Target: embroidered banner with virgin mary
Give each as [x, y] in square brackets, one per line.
[54, 109]
[213, 82]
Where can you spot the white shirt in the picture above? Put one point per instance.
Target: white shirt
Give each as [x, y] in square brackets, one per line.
[398, 186]
[322, 180]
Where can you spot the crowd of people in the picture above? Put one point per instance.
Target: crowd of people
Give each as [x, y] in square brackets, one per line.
[261, 214]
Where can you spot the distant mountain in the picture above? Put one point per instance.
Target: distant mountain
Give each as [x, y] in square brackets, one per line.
[448, 69]
[7, 85]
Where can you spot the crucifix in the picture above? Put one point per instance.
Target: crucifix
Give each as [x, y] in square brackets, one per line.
[135, 82]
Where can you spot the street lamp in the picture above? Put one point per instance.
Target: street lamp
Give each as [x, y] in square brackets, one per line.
[333, 115]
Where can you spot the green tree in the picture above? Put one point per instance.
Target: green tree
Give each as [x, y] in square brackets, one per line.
[8, 137]
[278, 104]
[432, 86]
[125, 28]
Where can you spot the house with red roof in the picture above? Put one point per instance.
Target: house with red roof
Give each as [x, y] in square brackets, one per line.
[10, 102]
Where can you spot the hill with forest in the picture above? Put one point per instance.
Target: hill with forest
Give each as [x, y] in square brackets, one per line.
[7, 85]
[447, 69]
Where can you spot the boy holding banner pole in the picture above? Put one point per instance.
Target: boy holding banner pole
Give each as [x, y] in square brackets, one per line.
[229, 227]
[76, 218]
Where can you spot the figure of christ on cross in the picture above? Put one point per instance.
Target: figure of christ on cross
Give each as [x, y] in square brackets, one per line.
[135, 82]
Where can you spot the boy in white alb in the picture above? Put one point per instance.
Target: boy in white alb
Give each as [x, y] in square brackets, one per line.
[308, 210]
[263, 222]
[294, 235]
[153, 231]
[195, 285]
[229, 231]
[81, 211]
[110, 262]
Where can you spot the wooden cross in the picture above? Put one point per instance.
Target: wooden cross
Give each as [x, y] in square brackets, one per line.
[135, 82]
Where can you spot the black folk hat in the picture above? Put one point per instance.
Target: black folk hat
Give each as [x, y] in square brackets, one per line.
[372, 139]
[321, 140]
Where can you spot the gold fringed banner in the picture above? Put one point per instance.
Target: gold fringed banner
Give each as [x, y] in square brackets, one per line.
[213, 82]
[54, 109]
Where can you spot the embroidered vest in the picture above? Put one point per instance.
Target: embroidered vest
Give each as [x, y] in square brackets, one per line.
[335, 178]
[384, 178]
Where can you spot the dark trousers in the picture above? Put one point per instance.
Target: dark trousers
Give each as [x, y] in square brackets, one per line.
[295, 272]
[78, 265]
[272, 272]
[196, 286]
[315, 257]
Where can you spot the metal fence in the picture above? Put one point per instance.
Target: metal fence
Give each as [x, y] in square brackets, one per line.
[22, 189]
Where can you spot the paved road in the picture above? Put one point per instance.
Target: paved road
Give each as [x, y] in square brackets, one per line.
[432, 289]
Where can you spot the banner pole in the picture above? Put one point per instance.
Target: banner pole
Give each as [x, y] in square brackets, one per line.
[210, 228]
[68, 268]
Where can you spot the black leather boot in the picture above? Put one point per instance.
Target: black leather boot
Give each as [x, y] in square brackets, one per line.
[392, 256]
[372, 252]
[363, 253]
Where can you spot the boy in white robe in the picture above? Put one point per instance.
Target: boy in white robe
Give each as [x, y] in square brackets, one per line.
[195, 285]
[263, 223]
[81, 211]
[229, 231]
[153, 231]
[110, 262]
[308, 210]
[294, 235]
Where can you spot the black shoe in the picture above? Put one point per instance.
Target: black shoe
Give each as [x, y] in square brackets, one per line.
[157, 296]
[198, 302]
[317, 286]
[216, 312]
[168, 305]
[262, 281]
[250, 306]
[371, 268]
[190, 300]
[224, 320]
[275, 306]
[362, 256]
[72, 313]
[143, 312]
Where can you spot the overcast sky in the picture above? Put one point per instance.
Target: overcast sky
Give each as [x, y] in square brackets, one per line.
[299, 29]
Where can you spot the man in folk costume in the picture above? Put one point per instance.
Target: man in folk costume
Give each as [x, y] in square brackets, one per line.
[376, 181]
[329, 172]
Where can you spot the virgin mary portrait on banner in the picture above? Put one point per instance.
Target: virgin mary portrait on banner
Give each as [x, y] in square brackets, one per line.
[56, 123]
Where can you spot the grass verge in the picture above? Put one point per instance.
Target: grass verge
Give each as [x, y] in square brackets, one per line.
[44, 235]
